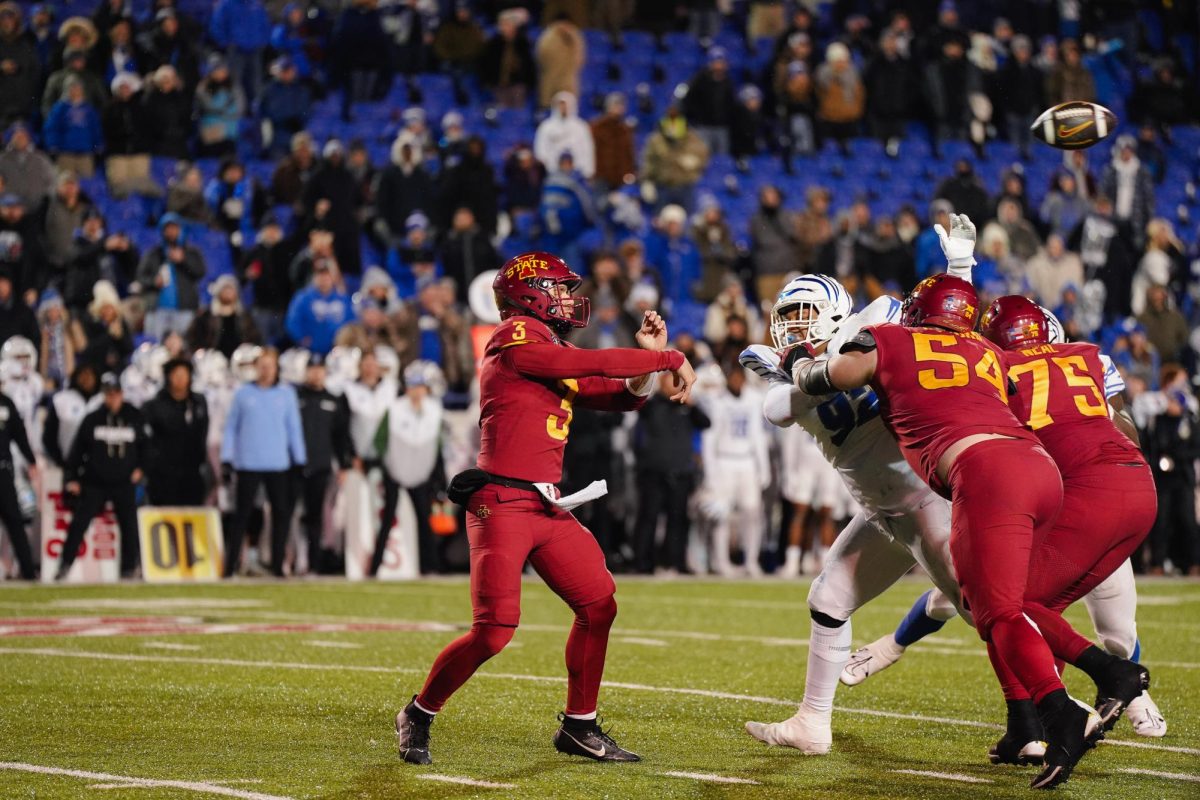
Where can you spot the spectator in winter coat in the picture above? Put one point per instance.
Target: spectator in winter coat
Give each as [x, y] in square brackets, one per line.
[814, 228]
[177, 421]
[671, 250]
[561, 54]
[127, 145]
[416, 135]
[291, 39]
[1106, 246]
[459, 42]
[19, 66]
[563, 131]
[709, 104]
[223, 324]
[318, 311]
[1052, 269]
[471, 183]
[1130, 186]
[242, 29]
[796, 106]
[106, 341]
[507, 66]
[841, 98]
[74, 66]
[1163, 263]
[167, 44]
[168, 114]
[293, 171]
[1162, 99]
[265, 267]
[612, 136]
[377, 308]
[404, 186]
[749, 135]
[319, 248]
[1070, 79]
[236, 203]
[673, 162]
[96, 255]
[169, 278]
[331, 199]
[1023, 239]
[890, 85]
[357, 42]
[949, 82]
[72, 131]
[117, 53]
[466, 252]
[1063, 206]
[524, 177]
[185, 194]
[25, 171]
[718, 252]
[16, 317]
[21, 255]
[285, 104]
[774, 244]
[64, 216]
[965, 192]
[566, 210]
[220, 105]
[1021, 89]
[1166, 328]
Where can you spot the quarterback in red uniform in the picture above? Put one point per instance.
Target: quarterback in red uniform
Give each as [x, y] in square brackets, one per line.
[1109, 500]
[530, 382]
[944, 395]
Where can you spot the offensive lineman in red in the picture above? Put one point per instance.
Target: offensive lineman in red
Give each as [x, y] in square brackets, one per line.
[530, 380]
[944, 395]
[1109, 501]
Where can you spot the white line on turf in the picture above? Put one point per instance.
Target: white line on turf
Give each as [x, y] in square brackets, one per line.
[642, 641]
[234, 662]
[147, 783]
[1153, 773]
[709, 777]
[171, 646]
[467, 781]
[333, 645]
[945, 776]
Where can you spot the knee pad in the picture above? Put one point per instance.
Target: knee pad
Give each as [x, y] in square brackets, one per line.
[491, 639]
[598, 614]
[825, 619]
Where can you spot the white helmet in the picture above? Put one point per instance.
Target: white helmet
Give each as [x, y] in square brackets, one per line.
[293, 364]
[243, 362]
[823, 306]
[341, 364]
[19, 357]
[150, 359]
[212, 369]
[1054, 329]
[389, 362]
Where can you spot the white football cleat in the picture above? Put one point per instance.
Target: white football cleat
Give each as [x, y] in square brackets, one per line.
[866, 661]
[1147, 720]
[809, 733]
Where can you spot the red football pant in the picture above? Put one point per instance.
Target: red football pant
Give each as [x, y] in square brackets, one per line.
[1108, 509]
[506, 527]
[1005, 495]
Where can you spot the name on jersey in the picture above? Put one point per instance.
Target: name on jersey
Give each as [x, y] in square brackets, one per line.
[1040, 350]
[112, 434]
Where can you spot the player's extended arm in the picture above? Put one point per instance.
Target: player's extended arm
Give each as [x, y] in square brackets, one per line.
[851, 369]
[1121, 418]
[538, 360]
[613, 394]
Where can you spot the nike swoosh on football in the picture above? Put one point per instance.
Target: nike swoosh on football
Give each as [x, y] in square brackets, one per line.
[597, 753]
[1065, 132]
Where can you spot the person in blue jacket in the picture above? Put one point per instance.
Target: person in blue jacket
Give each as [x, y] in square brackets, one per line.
[316, 313]
[290, 38]
[566, 210]
[242, 29]
[928, 256]
[285, 103]
[672, 252]
[73, 131]
[263, 441]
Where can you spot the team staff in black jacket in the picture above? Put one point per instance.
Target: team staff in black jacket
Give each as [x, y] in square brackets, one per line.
[12, 431]
[326, 421]
[177, 423]
[105, 464]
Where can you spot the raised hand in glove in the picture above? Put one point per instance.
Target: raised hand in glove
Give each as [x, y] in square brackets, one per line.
[959, 244]
[789, 358]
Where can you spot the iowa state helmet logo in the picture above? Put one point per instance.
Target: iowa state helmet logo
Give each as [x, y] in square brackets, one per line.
[526, 268]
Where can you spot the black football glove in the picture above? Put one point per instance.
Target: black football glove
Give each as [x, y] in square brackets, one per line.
[792, 356]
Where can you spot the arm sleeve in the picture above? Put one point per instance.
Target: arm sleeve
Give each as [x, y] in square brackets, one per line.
[20, 437]
[608, 394]
[785, 402]
[536, 360]
[50, 435]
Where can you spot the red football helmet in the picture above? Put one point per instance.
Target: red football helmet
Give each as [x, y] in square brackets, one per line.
[1015, 321]
[942, 301]
[527, 285]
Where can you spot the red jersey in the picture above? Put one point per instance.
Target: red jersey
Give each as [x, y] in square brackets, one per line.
[529, 382]
[935, 387]
[1060, 397]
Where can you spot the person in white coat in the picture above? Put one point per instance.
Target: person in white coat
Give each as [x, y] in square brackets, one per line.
[412, 457]
[370, 398]
[564, 132]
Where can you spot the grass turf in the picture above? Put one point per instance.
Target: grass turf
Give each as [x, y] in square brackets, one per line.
[219, 707]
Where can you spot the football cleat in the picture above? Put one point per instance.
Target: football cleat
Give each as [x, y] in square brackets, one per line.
[806, 732]
[1145, 717]
[587, 739]
[1010, 751]
[867, 661]
[1124, 683]
[764, 362]
[1072, 728]
[412, 733]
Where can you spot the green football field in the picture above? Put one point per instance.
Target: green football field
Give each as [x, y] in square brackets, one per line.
[276, 691]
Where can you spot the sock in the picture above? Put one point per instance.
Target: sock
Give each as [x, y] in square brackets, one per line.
[1052, 703]
[1023, 722]
[1025, 652]
[1136, 655]
[793, 554]
[828, 652]
[581, 717]
[916, 624]
[413, 709]
[1094, 662]
[587, 645]
[455, 665]
[578, 722]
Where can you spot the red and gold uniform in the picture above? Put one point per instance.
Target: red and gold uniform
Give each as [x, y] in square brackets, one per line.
[937, 387]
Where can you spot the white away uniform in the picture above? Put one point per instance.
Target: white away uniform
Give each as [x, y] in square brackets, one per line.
[807, 479]
[736, 469]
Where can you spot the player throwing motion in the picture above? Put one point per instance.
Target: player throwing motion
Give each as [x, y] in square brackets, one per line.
[944, 394]
[530, 381]
[903, 521]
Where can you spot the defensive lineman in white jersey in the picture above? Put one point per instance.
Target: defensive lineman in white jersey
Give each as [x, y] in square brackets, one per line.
[902, 522]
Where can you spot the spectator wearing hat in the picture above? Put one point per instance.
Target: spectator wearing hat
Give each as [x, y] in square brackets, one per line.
[891, 88]
[1130, 186]
[670, 249]
[318, 311]
[376, 307]
[167, 43]
[718, 251]
[294, 170]
[319, 248]
[566, 212]
[332, 199]
[466, 251]
[612, 138]
[1069, 78]
[325, 418]
[563, 131]
[1138, 359]
[472, 183]
[95, 254]
[168, 114]
[242, 29]
[104, 340]
[358, 162]
[673, 162]
[292, 39]
[358, 40]
[185, 194]
[415, 133]
[1109, 255]
[1163, 263]
[709, 103]
[56, 346]
[109, 12]
[25, 171]
[21, 254]
[75, 33]
[452, 144]
[414, 262]
[774, 244]
[64, 216]
[236, 202]
[177, 456]
[950, 80]
[74, 66]
[749, 133]
[16, 317]
[117, 52]
[265, 267]
[795, 46]
[169, 279]
[105, 464]
[220, 105]
[285, 105]
[402, 188]
[19, 65]
[841, 98]
[928, 252]
[41, 31]
[797, 107]
[524, 177]
[72, 131]
[223, 324]
[507, 67]
[561, 54]
[814, 228]
[126, 143]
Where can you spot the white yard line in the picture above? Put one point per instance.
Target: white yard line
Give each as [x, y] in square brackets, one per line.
[108, 780]
[172, 646]
[333, 645]
[642, 641]
[1153, 773]
[945, 776]
[708, 777]
[467, 781]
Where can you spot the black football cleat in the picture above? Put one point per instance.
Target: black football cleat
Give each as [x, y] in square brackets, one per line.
[1023, 741]
[412, 733]
[586, 738]
[1123, 682]
[1071, 730]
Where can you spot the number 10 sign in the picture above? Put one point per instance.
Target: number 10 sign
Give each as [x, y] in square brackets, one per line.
[180, 544]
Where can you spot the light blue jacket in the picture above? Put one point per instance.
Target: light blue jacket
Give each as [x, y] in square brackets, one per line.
[263, 431]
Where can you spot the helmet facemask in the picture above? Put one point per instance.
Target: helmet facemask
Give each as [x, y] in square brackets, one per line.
[805, 322]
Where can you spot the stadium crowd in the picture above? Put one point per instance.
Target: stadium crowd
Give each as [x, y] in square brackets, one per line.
[186, 191]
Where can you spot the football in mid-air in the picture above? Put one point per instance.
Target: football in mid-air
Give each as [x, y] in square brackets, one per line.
[1074, 125]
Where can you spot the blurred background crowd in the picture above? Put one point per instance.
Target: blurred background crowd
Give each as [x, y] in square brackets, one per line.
[190, 181]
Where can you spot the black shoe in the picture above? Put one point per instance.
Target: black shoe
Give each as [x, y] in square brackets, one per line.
[412, 731]
[1123, 683]
[1071, 730]
[585, 738]
[1023, 741]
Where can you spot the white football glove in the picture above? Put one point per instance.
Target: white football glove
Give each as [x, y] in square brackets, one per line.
[958, 245]
[764, 362]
